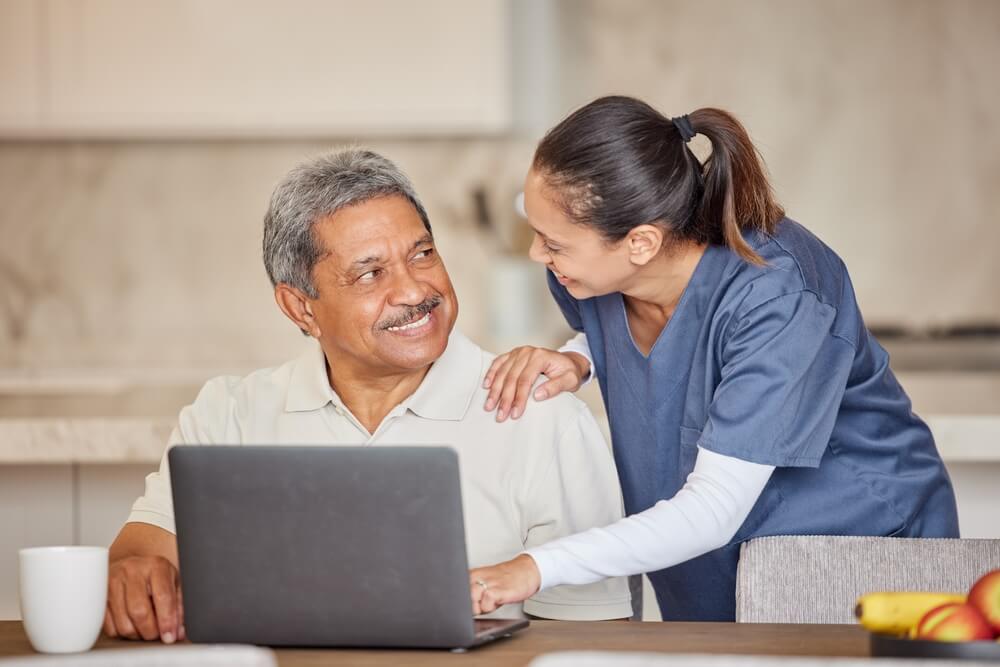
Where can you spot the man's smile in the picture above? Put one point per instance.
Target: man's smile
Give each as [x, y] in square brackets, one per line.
[416, 324]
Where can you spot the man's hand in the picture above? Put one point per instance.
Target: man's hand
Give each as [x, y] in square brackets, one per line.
[512, 375]
[144, 600]
[497, 585]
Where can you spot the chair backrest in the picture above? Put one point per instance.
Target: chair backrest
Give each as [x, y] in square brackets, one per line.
[817, 579]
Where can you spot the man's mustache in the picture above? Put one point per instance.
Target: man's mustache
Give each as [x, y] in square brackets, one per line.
[412, 313]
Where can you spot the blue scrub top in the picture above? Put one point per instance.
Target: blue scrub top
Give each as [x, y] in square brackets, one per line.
[772, 365]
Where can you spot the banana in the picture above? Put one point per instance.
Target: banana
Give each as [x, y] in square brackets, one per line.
[898, 612]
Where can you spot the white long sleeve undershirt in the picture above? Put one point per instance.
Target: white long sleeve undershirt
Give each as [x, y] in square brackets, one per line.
[704, 515]
[578, 344]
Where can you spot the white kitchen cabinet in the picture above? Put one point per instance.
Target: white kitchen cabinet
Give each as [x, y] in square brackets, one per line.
[230, 68]
[21, 75]
[36, 509]
[47, 505]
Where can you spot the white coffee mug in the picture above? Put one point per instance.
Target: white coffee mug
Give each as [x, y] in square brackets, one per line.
[63, 593]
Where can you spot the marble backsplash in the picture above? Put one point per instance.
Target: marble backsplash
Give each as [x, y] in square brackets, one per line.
[148, 254]
[878, 122]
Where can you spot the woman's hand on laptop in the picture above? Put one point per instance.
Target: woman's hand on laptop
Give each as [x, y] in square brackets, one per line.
[513, 581]
[144, 600]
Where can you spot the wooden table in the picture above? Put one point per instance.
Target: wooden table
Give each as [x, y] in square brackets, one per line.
[548, 636]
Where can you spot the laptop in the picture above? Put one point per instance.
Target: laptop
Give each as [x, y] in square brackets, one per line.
[325, 546]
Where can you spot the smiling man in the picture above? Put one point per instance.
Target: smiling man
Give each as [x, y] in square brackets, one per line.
[350, 252]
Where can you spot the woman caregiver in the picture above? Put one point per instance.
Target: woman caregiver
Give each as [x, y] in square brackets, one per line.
[745, 395]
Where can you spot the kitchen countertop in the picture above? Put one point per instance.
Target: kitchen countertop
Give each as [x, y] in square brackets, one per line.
[80, 416]
[126, 418]
[84, 439]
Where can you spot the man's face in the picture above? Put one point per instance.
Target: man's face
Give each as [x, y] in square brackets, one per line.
[386, 304]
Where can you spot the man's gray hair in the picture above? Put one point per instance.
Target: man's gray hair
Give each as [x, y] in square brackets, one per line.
[315, 190]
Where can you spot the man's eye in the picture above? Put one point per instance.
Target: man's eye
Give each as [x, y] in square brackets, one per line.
[370, 275]
[424, 254]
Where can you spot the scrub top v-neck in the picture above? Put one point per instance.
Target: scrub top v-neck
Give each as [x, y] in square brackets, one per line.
[770, 364]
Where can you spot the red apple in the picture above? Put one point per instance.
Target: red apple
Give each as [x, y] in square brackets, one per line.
[954, 622]
[985, 596]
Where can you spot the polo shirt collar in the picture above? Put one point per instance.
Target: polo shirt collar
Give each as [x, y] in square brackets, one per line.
[445, 393]
[447, 390]
[309, 387]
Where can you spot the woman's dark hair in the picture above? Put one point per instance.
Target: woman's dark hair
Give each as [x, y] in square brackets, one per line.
[617, 163]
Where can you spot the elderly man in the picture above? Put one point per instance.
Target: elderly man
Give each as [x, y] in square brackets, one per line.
[349, 249]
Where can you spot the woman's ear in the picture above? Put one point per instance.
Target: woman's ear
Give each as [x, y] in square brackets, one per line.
[296, 307]
[644, 243]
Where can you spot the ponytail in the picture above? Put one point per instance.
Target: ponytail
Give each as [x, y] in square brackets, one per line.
[737, 195]
[617, 163]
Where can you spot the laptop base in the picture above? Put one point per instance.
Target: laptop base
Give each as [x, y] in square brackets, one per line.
[491, 629]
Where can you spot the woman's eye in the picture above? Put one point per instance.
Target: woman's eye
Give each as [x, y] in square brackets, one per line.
[549, 248]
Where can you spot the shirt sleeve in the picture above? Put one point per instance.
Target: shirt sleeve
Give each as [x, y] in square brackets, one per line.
[201, 423]
[578, 344]
[783, 376]
[704, 515]
[579, 490]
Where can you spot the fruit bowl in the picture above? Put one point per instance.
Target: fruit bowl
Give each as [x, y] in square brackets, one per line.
[922, 624]
[889, 646]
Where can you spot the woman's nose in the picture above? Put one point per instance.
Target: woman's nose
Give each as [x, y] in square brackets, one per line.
[536, 252]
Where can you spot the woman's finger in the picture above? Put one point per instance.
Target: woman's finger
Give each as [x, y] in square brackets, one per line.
[499, 378]
[476, 589]
[510, 386]
[556, 386]
[500, 372]
[494, 367]
[525, 381]
[488, 603]
[483, 601]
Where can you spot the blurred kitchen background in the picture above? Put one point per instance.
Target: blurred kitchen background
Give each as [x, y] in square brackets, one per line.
[140, 142]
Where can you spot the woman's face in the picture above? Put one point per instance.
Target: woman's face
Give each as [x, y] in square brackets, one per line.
[579, 257]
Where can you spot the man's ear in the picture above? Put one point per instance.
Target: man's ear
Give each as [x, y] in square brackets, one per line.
[297, 307]
[644, 243]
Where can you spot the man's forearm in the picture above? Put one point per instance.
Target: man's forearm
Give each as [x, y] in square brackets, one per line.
[144, 539]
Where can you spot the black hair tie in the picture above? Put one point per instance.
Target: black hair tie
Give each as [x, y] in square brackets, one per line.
[683, 125]
[686, 130]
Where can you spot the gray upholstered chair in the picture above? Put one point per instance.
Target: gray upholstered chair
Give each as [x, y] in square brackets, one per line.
[817, 579]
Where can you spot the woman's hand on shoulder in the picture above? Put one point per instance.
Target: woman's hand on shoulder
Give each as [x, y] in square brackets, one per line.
[512, 375]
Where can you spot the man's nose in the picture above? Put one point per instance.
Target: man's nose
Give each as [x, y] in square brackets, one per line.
[407, 290]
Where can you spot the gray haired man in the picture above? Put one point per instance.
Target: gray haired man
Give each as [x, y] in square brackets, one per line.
[349, 249]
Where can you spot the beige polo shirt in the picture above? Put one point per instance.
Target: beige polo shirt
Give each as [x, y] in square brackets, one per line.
[524, 482]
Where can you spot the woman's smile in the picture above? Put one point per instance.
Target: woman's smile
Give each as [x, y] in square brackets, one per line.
[563, 280]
